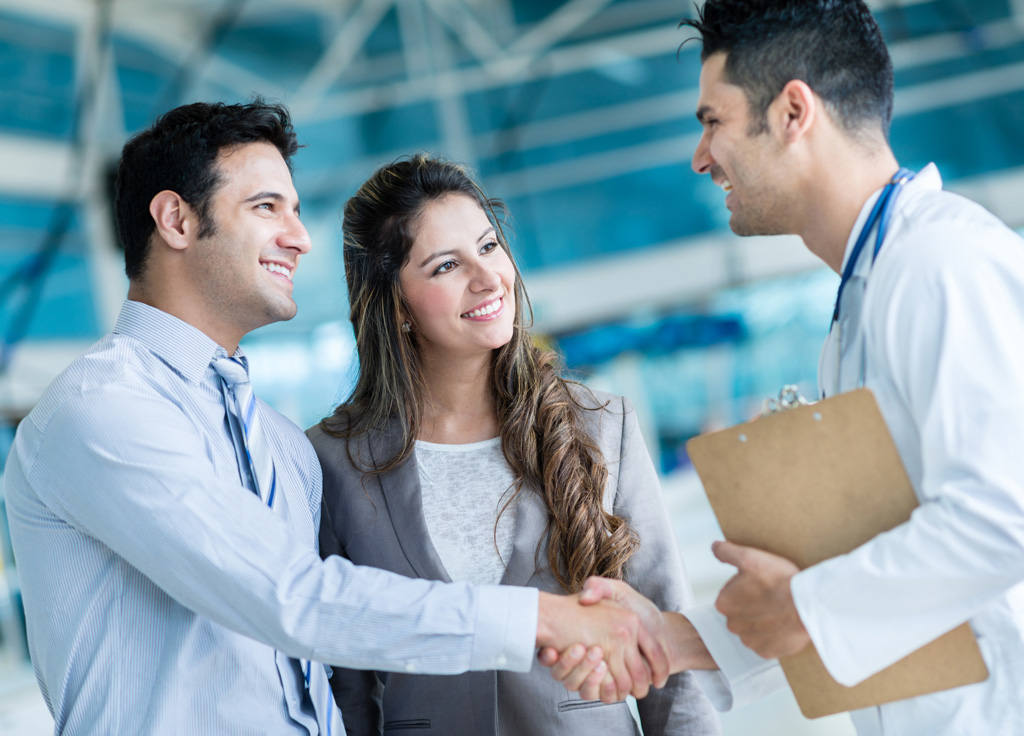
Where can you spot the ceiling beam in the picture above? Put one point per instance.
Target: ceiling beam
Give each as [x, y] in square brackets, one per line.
[498, 73]
[36, 168]
[682, 272]
[459, 18]
[343, 49]
[556, 27]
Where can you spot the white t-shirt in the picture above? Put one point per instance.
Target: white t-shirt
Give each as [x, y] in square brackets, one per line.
[464, 488]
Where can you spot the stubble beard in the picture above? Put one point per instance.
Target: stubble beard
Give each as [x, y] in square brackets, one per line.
[764, 216]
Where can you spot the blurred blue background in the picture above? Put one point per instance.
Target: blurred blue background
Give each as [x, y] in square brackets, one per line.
[579, 114]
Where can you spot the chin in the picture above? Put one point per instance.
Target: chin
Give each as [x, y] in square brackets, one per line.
[745, 228]
[282, 312]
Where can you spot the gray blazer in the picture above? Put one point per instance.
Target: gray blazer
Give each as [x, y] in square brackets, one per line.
[380, 522]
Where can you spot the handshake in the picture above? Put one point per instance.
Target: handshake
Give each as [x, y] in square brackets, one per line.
[609, 641]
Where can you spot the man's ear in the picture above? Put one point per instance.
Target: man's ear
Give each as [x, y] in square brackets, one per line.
[175, 221]
[795, 110]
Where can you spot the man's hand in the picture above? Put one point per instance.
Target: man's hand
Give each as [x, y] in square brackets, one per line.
[682, 643]
[634, 657]
[758, 603]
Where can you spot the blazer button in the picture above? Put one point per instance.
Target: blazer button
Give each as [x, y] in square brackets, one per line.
[501, 661]
[410, 667]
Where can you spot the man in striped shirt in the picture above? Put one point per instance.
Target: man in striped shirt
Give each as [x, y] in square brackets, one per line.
[162, 594]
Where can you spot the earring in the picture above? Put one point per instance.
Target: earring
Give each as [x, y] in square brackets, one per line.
[406, 327]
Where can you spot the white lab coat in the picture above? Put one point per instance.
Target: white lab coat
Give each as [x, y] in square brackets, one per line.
[940, 342]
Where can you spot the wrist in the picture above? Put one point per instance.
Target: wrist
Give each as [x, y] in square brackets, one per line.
[548, 607]
[685, 649]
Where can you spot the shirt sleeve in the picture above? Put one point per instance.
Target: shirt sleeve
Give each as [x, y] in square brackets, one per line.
[143, 485]
[947, 339]
[656, 570]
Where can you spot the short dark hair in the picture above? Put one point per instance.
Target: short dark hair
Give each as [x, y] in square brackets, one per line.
[834, 46]
[179, 153]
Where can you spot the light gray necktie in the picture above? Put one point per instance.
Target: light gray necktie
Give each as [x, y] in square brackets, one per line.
[241, 402]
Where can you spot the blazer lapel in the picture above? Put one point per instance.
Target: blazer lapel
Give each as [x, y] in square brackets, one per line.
[531, 518]
[400, 489]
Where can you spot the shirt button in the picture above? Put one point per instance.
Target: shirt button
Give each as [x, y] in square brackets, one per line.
[410, 667]
[501, 661]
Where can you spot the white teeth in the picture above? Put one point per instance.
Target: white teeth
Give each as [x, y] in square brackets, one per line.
[726, 185]
[490, 308]
[278, 268]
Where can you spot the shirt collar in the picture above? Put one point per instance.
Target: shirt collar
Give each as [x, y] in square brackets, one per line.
[185, 348]
[927, 179]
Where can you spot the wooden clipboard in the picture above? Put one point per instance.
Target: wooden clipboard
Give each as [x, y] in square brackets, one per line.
[810, 483]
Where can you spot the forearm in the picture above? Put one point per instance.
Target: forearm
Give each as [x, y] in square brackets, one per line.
[685, 649]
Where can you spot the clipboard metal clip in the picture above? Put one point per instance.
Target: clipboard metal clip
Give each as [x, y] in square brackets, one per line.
[789, 398]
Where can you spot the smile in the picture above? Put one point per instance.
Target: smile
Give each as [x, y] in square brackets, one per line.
[278, 269]
[484, 311]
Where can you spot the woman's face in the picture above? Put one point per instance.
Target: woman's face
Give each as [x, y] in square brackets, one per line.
[458, 282]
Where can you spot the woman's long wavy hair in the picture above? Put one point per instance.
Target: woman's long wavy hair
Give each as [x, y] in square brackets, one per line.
[542, 436]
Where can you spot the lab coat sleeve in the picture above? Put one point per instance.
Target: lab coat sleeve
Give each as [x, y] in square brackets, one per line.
[656, 570]
[742, 676]
[944, 335]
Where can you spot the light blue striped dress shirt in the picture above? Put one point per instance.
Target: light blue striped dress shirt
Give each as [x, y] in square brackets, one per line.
[157, 587]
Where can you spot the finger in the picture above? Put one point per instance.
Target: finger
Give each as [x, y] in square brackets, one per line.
[639, 672]
[727, 596]
[567, 661]
[582, 671]
[610, 692]
[596, 589]
[548, 656]
[623, 681]
[729, 553]
[591, 687]
[656, 658]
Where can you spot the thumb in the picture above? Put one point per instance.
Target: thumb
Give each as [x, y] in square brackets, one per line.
[730, 553]
[596, 589]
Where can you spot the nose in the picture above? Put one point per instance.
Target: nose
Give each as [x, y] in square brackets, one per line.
[702, 158]
[485, 278]
[295, 236]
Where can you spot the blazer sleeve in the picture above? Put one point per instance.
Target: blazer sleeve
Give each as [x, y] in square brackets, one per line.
[656, 570]
[357, 693]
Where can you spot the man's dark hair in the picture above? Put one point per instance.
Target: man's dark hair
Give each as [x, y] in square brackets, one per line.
[179, 153]
[834, 46]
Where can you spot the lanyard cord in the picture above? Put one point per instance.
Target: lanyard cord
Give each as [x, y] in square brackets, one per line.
[880, 214]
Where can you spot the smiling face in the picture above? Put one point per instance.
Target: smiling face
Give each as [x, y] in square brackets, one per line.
[458, 282]
[242, 271]
[748, 166]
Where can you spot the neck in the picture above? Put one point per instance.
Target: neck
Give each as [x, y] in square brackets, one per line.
[458, 405]
[179, 303]
[836, 196]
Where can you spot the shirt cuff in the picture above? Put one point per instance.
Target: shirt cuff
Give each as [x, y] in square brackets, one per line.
[743, 676]
[506, 628]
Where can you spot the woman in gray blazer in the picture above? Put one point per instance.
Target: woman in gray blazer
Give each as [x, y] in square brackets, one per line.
[463, 455]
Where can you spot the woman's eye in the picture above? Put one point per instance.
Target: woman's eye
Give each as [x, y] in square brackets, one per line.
[489, 246]
[445, 267]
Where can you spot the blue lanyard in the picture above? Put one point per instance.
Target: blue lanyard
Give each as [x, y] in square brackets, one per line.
[880, 214]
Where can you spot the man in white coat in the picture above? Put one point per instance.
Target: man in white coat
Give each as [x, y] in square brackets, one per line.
[795, 101]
